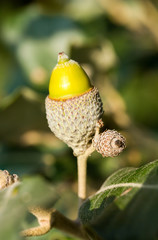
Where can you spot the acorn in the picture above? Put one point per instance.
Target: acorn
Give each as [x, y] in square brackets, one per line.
[110, 143]
[73, 106]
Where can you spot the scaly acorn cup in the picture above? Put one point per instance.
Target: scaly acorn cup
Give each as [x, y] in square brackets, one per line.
[73, 106]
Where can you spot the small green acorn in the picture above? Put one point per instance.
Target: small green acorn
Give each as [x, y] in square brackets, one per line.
[73, 106]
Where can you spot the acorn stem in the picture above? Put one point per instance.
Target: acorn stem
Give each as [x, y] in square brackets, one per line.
[82, 166]
[82, 177]
[82, 173]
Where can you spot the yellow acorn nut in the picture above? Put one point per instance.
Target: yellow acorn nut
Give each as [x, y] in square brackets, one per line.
[73, 106]
[68, 79]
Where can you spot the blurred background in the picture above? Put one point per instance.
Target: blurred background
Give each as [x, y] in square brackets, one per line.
[116, 42]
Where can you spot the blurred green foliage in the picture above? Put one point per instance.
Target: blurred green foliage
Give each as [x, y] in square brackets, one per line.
[116, 42]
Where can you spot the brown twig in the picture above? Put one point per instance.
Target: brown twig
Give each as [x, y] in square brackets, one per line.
[51, 218]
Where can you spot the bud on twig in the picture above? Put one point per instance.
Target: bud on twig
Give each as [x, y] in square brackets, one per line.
[109, 143]
[6, 179]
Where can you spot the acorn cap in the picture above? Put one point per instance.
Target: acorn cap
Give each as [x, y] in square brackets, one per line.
[73, 109]
[74, 120]
[109, 143]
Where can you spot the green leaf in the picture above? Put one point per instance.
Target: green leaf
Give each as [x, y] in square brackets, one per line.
[126, 206]
[35, 191]
[12, 212]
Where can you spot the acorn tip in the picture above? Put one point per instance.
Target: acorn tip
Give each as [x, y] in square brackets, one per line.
[62, 57]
